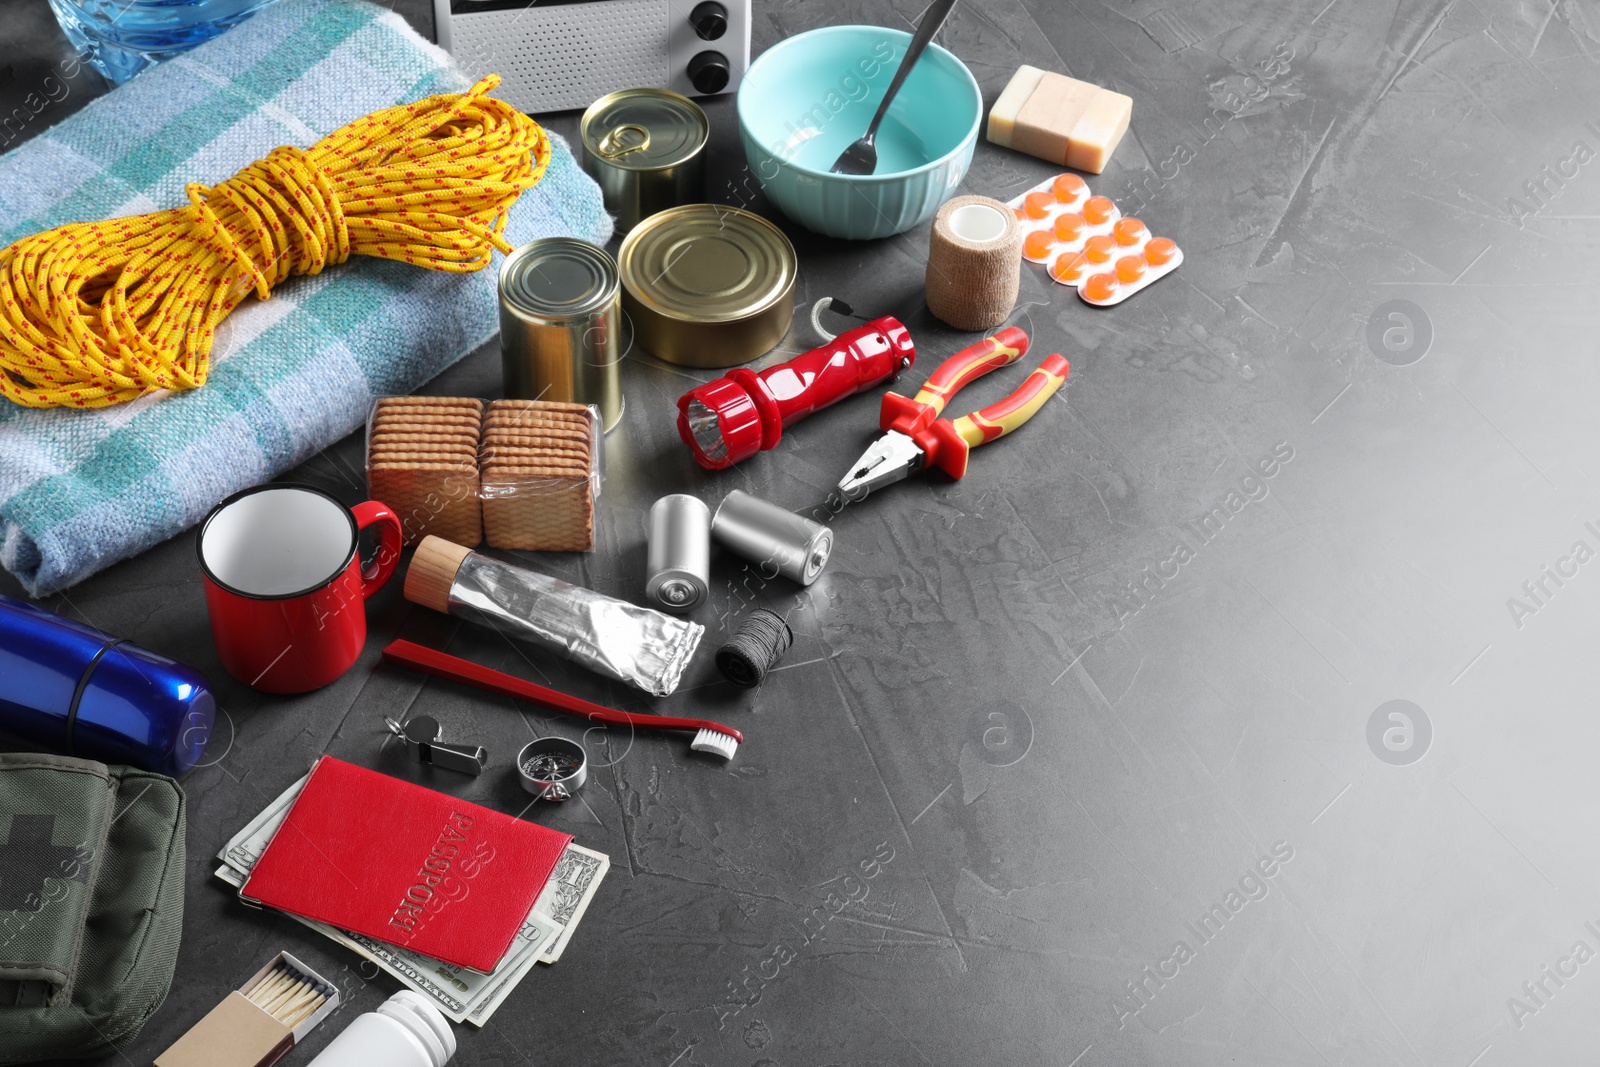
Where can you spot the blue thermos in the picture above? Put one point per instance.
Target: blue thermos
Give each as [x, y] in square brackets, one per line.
[68, 688]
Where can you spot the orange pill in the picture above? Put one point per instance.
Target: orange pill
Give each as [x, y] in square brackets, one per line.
[1038, 205]
[1098, 209]
[1128, 231]
[1069, 267]
[1131, 269]
[1068, 188]
[1100, 286]
[1160, 250]
[1070, 226]
[1099, 248]
[1038, 243]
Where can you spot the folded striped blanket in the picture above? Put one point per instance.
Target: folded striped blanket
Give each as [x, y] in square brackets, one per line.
[80, 490]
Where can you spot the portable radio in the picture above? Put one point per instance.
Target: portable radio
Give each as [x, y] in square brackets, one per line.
[554, 55]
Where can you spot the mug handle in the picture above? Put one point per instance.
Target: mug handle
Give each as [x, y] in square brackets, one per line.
[370, 513]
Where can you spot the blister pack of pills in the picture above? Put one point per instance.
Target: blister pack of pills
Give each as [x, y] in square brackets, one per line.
[1084, 241]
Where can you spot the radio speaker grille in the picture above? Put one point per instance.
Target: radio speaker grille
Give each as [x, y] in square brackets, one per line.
[555, 58]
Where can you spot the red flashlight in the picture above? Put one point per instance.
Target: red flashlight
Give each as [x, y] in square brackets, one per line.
[742, 413]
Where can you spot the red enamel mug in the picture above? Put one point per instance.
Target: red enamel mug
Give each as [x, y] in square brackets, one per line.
[284, 583]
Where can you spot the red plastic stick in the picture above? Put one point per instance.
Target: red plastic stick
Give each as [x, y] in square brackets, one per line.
[455, 669]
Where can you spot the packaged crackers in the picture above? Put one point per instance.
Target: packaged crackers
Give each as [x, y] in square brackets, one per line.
[422, 461]
[523, 473]
[538, 474]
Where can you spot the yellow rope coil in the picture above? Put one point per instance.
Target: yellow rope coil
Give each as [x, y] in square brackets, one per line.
[99, 313]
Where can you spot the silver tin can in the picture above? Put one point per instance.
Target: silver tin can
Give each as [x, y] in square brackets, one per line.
[678, 572]
[560, 321]
[646, 150]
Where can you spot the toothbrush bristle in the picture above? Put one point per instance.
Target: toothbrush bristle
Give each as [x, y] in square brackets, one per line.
[714, 742]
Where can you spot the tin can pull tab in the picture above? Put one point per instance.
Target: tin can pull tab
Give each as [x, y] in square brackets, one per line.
[622, 140]
[420, 734]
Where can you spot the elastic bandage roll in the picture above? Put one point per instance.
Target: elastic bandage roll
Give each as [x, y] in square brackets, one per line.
[974, 263]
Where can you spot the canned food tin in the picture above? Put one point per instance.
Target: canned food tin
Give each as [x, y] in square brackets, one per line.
[707, 285]
[559, 321]
[646, 149]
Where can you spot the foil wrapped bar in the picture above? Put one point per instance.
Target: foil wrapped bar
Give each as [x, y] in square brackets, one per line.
[633, 644]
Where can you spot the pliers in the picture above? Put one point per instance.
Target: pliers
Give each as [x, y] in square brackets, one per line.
[917, 437]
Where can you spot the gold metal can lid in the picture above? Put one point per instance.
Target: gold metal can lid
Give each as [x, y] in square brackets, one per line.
[557, 278]
[644, 129]
[707, 263]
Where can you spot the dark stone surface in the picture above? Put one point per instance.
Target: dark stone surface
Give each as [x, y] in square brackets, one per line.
[1071, 774]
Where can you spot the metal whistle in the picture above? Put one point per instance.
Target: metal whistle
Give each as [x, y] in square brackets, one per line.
[420, 734]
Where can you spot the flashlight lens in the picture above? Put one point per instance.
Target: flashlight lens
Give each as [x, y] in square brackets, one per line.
[707, 431]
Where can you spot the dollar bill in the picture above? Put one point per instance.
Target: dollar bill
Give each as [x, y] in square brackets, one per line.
[462, 994]
[566, 895]
[244, 849]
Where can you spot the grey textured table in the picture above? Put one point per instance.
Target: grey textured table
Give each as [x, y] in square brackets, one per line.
[1064, 708]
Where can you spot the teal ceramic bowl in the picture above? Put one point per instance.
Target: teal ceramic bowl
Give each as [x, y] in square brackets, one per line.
[806, 98]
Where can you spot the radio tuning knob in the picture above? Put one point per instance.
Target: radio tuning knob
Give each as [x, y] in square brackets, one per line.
[709, 72]
[710, 21]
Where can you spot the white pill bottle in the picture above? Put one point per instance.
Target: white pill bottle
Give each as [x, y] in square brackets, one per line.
[405, 1031]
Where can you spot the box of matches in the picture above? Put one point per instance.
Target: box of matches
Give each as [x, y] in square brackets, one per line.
[257, 1023]
[539, 469]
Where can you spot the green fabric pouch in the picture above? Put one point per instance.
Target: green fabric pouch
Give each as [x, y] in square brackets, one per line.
[91, 903]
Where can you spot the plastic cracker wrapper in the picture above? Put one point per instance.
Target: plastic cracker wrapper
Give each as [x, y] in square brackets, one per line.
[422, 461]
[539, 470]
[526, 474]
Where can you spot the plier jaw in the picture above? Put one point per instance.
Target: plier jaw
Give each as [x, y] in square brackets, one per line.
[891, 458]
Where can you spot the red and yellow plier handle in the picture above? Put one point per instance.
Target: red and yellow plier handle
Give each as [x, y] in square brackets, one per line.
[960, 370]
[946, 443]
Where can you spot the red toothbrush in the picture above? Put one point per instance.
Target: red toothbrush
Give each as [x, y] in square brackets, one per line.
[712, 737]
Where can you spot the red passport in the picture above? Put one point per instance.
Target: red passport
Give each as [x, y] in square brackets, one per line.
[411, 866]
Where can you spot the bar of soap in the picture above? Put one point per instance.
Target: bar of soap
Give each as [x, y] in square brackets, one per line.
[1059, 119]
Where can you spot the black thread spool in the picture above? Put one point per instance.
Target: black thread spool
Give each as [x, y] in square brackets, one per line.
[751, 652]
